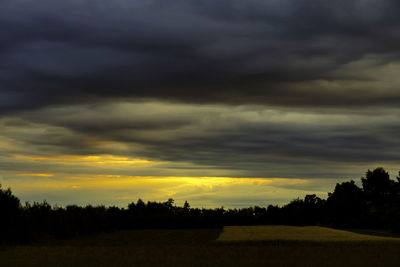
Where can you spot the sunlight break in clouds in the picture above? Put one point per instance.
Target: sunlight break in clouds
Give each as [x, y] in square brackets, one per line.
[199, 191]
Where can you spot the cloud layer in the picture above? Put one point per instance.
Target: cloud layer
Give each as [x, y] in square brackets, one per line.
[288, 53]
[242, 141]
[257, 89]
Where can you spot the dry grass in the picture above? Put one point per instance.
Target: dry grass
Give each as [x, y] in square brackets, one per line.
[295, 233]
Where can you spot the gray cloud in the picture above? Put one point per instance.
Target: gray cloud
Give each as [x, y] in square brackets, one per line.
[246, 141]
[199, 51]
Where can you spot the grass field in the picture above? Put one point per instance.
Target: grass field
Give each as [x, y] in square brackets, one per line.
[197, 247]
[296, 233]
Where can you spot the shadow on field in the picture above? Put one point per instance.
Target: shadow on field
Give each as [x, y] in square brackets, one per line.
[140, 237]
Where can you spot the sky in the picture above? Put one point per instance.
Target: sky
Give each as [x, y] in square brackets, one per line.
[221, 103]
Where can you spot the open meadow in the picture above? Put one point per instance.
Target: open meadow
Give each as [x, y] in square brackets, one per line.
[280, 233]
[232, 246]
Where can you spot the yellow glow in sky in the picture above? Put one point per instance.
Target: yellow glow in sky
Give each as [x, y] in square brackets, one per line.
[109, 160]
[121, 190]
[36, 174]
[106, 179]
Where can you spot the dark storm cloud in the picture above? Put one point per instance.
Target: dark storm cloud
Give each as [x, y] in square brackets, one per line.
[268, 52]
[287, 88]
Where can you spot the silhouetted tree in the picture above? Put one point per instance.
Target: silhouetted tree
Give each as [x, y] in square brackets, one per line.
[314, 209]
[377, 182]
[346, 205]
[169, 203]
[10, 214]
[375, 205]
[186, 205]
[274, 215]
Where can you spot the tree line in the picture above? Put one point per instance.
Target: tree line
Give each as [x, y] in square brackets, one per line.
[375, 205]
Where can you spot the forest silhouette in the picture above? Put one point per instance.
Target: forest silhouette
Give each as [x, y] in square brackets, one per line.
[375, 205]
